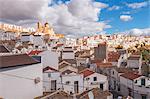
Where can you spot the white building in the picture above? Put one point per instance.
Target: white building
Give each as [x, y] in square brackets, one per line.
[134, 61]
[20, 77]
[68, 53]
[72, 82]
[94, 80]
[135, 85]
[7, 35]
[27, 38]
[37, 40]
[49, 58]
[52, 79]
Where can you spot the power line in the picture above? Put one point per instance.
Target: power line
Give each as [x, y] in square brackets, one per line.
[21, 77]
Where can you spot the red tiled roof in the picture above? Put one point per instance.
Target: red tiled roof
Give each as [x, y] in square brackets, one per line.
[134, 57]
[34, 52]
[104, 65]
[96, 61]
[102, 44]
[87, 72]
[59, 45]
[49, 68]
[130, 75]
[114, 55]
[112, 59]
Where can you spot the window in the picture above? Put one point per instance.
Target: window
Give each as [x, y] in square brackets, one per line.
[101, 86]
[49, 75]
[135, 81]
[143, 81]
[144, 97]
[115, 85]
[76, 86]
[94, 78]
[113, 72]
[119, 88]
[87, 78]
[53, 85]
[67, 82]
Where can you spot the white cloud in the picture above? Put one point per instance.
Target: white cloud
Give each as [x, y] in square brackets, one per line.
[137, 5]
[126, 12]
[113, 8]
[77, 17]
[138, 32]
[100, 5]
[125, 18]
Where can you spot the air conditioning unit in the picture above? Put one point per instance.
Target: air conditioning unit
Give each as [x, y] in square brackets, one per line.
[37, 80]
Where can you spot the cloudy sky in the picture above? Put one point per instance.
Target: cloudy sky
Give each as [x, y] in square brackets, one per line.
[80, 17]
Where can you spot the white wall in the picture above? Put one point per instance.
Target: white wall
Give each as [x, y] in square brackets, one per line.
[82, 61]
[38, 40]
[126, 82]
[68, 55]
[101, 79]
[147, 81]
[27, 38]
[134, 63]
[20, 88]
[49, 58]
[72, 77]
[54, 76]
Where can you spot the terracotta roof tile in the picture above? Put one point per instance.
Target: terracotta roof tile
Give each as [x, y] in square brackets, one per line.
[97, 93]
[134, 57]
[34, 52]
[130, 75]
[104, 65]
[87, 72]
[96, 61]
[123, 70]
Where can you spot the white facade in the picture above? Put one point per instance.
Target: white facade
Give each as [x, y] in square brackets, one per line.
[89, 81]
[48, 77]
[49, 58]
[13, 87]
[7, 35]
[38, 40]
[82, 61]
[134, 63]
[138, 81]
[68, 81]
[27, 38]
[68, 55]
[136, 91]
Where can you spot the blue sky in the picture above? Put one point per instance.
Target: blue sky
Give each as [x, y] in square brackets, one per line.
[139, 15]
